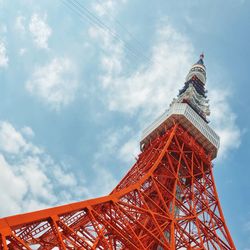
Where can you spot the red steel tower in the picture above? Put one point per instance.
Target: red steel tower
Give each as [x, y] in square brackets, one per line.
[168, 199]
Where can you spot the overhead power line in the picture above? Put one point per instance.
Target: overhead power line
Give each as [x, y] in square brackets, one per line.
[139, 44]
[85, 14]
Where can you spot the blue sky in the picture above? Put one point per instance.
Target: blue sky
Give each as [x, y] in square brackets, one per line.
[75, 98]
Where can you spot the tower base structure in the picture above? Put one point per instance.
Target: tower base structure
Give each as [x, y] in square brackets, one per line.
[168, 200]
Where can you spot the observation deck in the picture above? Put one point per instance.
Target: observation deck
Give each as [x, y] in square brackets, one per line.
[183, 114]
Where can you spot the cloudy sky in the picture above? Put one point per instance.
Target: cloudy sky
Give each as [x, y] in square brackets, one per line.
[80, 80]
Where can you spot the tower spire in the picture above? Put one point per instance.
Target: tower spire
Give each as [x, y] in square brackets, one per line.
[200, 61]
[198, 70]
[194, 92]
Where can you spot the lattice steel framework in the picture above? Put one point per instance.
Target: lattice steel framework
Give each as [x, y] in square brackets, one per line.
[168, 200]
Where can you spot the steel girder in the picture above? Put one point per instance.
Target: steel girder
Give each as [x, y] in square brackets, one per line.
[168, 200]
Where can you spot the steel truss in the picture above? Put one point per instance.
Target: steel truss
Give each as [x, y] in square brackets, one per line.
[168, 200]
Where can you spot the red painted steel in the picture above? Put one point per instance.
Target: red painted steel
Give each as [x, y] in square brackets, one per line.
[168, 200]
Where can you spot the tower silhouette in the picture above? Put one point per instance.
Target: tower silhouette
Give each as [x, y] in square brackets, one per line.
[167, 200]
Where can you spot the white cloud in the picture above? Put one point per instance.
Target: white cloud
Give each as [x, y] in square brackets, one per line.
[129, 150]
[29, 176]
[111, 142]
[105, 180]
[38, 182]
[40, 30]
[149, 89]
[65, 179]
[103, 8]
[14, 188]
[54, 83]
[223, 120]
[20, 24]
[3, 29]
[10, 140]
[22, 51]
[4, 60]
[27, 131]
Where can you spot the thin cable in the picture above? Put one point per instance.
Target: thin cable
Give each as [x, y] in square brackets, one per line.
[77, 12]
[84, 13]
[139, 43]
[114, 33]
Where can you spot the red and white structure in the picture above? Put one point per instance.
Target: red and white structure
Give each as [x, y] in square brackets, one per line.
[168, 199]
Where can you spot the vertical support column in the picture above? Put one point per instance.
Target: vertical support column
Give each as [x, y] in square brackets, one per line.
[172, 227]
[53, 223]
[5, 231]
[3, 245]
[229, 238]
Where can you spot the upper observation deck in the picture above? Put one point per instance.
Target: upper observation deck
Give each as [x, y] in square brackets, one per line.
[183, 114]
